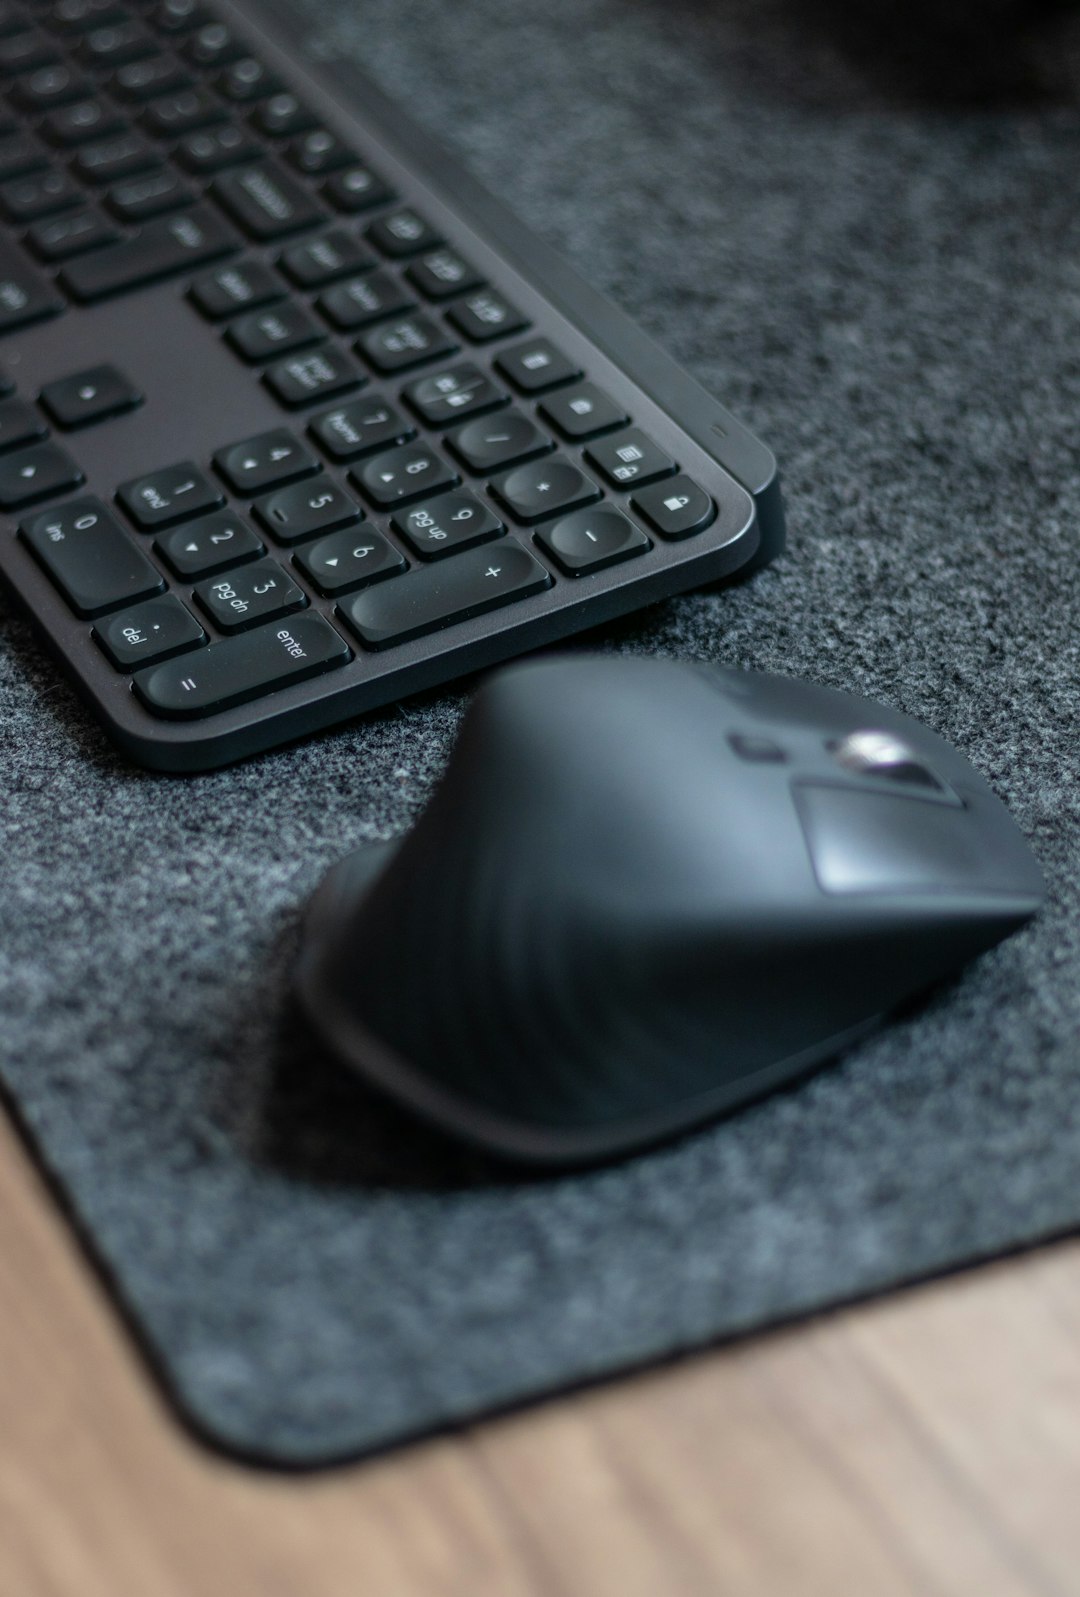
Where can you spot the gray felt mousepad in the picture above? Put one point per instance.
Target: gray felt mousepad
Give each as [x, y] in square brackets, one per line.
[867, 242]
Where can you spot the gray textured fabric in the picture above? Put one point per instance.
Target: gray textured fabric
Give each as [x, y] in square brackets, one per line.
[870, 248]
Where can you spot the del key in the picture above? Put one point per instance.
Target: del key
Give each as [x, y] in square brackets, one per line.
[242, 668]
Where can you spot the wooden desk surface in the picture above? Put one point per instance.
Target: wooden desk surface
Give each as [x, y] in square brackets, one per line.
[925, 1444]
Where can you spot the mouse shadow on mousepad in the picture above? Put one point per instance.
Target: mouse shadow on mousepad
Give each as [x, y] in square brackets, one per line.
[308, 1117]
[303, 1114]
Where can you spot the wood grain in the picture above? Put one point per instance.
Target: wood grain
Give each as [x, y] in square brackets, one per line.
[927, 1445]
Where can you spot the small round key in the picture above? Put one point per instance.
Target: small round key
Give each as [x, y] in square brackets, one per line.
[589, 540]
[499, 440]
[543, 488]
[676, 508]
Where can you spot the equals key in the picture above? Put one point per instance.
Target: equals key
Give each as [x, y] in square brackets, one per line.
[242, 668]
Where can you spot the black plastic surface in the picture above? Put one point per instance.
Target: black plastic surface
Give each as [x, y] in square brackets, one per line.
[627, 925]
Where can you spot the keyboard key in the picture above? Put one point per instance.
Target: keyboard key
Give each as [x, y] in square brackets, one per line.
[442, 274]
[249, 595]
[214, 45]
[247, 80]
[213, 149]
[179, 16]
[485, 315]
[266, 201]
[354, 189]
[209, 544]
[60, 237]
[19, 424]
[242, 285]
[446, 525]
[77, 16]
[77, 124]
[154, 630]
[349, 560]
[262, 334]
[281, 116]
[536, 492]
[153, 195]
[321, 260]
[589, 540]
[317, 505]
[403, 233]
[26, 198]
[7, 385]
[25, 296]
[360, 428]
[110, 159]
[156, 74]
[49, 87]
[115, 44]
[431, 597]
[499, 440]
[169, 245]
[89, 557]
[313, 375]
[169, 116]
[240, 669]
[630, 457]
[36, 473]
[583, 412]
[19, 153]
[265, 461]
[175, 493]
[363, 300]
[447, 396]
[536, 365]
[319, 151]
[412, 471]
[398, 345]
[25, 51]
[676, 508]
[89, 396]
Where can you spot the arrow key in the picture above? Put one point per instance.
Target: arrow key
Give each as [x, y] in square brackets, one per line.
[266, 461]
[349, 560]
[412, 472]
[209, 544]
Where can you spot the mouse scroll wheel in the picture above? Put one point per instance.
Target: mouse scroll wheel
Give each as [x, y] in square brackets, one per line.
[883, 754]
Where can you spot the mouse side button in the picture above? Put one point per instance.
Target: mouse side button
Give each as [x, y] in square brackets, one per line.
[862, 842]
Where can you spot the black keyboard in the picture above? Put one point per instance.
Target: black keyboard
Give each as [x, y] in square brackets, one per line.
[295, 419]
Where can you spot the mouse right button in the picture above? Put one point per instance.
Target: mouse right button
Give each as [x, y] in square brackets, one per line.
[863, 842]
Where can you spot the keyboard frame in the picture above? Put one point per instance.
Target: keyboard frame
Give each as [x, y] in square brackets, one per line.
[709, 443]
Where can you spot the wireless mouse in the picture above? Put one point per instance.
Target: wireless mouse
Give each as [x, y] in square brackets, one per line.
[645, 893]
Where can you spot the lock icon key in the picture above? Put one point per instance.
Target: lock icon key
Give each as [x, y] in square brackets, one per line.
[677, 502]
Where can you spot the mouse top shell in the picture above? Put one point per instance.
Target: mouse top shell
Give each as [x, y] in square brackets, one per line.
[645, 892]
